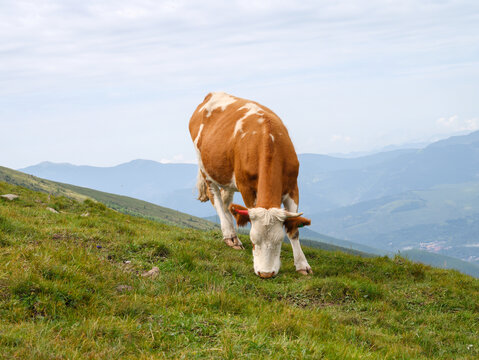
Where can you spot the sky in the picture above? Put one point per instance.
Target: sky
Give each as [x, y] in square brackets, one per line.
[105, 82]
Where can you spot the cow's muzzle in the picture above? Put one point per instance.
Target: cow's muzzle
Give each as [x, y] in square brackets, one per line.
[265, 275]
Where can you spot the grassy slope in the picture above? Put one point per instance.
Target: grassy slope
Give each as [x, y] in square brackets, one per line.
[59, 295]
[120, 203]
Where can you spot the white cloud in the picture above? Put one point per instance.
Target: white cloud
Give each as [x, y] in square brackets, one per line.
[454, 123]
[178, 158]
[340, 138]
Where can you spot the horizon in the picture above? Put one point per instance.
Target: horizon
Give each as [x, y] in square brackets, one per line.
[352, 155]
[102, 82]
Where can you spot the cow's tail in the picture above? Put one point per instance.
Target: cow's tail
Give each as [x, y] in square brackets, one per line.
[202, 187]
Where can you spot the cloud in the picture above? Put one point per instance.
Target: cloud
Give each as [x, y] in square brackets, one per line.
[331, 67]
[91, 43]
[340, 138]
[178, 158]
[455, 124]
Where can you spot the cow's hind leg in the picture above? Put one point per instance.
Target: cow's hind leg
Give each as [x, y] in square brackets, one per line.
[300, 261]
[226, 219]
[227, 198]
[202, 187]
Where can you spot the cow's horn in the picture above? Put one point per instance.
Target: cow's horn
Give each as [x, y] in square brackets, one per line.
[292, 214]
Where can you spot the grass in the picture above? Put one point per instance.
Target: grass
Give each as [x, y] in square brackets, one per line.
[120, 203]
[71, 287]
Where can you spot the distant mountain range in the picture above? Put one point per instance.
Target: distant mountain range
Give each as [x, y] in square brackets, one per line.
[396, 200]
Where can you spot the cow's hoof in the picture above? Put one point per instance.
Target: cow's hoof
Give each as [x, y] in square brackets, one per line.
[234, 242]
[307, 271]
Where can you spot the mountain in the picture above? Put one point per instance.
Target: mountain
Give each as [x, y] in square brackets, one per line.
[442, 219]
[113, 286]
[441, 261]
[173, 185]
[325, 182]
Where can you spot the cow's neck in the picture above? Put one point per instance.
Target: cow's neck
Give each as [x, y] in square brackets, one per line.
[270, 186]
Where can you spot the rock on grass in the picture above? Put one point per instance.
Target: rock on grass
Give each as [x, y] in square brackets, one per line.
[9, 196]
[152, 273]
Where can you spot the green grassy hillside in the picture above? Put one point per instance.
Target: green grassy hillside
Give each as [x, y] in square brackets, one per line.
[120, 203]
[71, 286]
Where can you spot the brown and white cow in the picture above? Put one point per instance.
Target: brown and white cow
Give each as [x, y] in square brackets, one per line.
[244, 146]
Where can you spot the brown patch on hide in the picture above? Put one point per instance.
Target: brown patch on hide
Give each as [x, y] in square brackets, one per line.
[292, 224]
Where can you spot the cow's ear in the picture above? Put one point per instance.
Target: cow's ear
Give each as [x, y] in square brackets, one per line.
[292, 225]
[241, 216]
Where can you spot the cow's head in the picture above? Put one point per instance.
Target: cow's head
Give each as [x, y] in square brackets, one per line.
[267, 234]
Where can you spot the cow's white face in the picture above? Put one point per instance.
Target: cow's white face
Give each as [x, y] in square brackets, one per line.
[267, 235]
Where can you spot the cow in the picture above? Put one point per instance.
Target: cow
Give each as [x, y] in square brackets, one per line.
[244, 146]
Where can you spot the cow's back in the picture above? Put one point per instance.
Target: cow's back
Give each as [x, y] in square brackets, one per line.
[234, 135]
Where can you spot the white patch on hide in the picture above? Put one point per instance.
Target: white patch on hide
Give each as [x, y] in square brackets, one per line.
[198, 154]
[267, 216]
[199, 134]
[252, 109]
[267, 235]
[272, 137]
[232, 185]
[218, 100]
[289, 203]
[238, 127]
[260, 120]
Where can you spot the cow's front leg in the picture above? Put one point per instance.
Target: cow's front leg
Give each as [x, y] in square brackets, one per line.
[226, 219]
[234, 242]
[300, 261]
